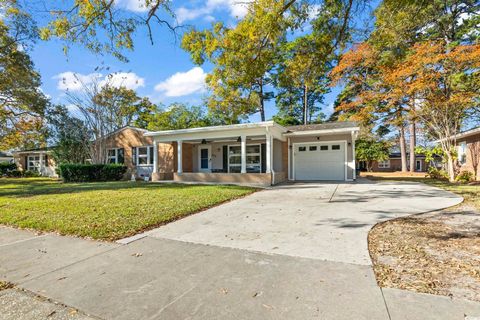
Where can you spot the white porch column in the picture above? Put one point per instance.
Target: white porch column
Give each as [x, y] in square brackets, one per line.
[155, 156]
[353, 156]
[243, 145]
[289, 160]
[179, 156]
[268, 152]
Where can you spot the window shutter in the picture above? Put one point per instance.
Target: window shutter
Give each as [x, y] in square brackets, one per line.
[225, 158]
[134, 156]
[151, 155]
[121, 156]
[46, 160]
[26, 164]
[263, 152]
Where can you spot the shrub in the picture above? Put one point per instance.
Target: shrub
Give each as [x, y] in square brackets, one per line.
[6, 167]
[91, 172]
[435, 173]
[14, 174]
[31, 174]
[464, 177]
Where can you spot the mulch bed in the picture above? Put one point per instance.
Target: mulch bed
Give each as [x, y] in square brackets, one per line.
[436, 253]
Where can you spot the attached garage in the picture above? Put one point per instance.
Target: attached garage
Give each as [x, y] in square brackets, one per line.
[320, 161]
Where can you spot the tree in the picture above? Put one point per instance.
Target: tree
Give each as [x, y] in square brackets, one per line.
[102, 26]
[22, 103]
[243, 57]
[69, 135]
[178, 116]
[105, 108]
[370, 150]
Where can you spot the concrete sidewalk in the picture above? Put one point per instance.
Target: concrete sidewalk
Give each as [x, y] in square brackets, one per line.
[166, 279]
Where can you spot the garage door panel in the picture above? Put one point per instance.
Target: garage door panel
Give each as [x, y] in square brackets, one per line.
[320, 161]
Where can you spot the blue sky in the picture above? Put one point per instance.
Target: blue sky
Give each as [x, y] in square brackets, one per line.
[162, 71]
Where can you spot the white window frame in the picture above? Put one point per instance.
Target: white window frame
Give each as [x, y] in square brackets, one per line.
[385, 164]
[112, 157]
[38, 164]
[462, 152]
[259, 154]
[137, 155]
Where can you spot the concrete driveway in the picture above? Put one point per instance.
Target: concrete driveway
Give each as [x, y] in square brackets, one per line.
[327, 221]
[193, 268]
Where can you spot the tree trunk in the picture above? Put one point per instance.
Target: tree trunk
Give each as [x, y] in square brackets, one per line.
[305, 104]
[403, 149]
[450, 167]
[262, 103]
[413, 143]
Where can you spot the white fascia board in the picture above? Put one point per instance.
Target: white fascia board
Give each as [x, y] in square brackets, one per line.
[211, 135]
[462, 135]
[211, 129]
[320, 132]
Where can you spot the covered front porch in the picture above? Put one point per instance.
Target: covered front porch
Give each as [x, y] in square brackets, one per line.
[253, 154]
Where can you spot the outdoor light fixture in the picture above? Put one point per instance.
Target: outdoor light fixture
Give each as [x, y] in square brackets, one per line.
[204, 141]
[239, 139]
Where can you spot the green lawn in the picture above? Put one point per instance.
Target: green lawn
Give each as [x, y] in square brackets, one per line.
[471, 193]
[107, 210]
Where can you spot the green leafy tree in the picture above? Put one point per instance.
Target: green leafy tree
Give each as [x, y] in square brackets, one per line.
[178, 116]
[370, 150]
[69, 135]
[243, 57]
[22, 103]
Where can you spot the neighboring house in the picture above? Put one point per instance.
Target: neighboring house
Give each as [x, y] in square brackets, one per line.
[36, 160]
[468, 149]
[394, 163]
[6, 157]
[256, 153]
[262, 153]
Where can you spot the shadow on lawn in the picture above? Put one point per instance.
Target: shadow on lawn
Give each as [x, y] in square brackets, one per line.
[22, 188]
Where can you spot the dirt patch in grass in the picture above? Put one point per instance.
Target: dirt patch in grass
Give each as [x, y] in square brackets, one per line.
[436, 253]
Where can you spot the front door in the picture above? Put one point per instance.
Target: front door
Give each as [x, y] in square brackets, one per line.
[204, 162]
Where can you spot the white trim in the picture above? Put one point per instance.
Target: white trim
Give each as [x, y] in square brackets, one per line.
[324, 142]
[179, 157]
[243, 155]
[354, 162]
[268, 153]
[321, 132]
[421, 167]
[264, 124]
[148, 164]
[289, 173]
[209, 148]
[247, 154]
[155, 156]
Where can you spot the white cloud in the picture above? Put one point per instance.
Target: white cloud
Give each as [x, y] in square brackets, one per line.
[183, 83]
[236, 8]
[71, 81]
[133, 5]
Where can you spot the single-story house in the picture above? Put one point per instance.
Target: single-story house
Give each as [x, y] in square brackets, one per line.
[468, 150]
[261, 153]
[394, 163]
[36, 160]
[256, 153]
[6, 157]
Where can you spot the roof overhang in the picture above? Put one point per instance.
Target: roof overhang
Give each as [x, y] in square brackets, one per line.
[220, 132]
[351, 130]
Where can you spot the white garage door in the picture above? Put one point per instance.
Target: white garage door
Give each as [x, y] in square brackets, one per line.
[319, 161]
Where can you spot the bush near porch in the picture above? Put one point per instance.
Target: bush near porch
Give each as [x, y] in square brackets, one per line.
[107, 210]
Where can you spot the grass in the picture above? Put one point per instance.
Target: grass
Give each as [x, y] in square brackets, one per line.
[106, 210]
[471, 193]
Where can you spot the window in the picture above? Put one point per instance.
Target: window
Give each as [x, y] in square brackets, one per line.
[312, 148]
[384, 164]
[301, 149]
[418, 165]
[254, 163]
[116, 155]
[323, 148]
[35, 162]
[143, 156]
[336, 147]
[462, 153]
